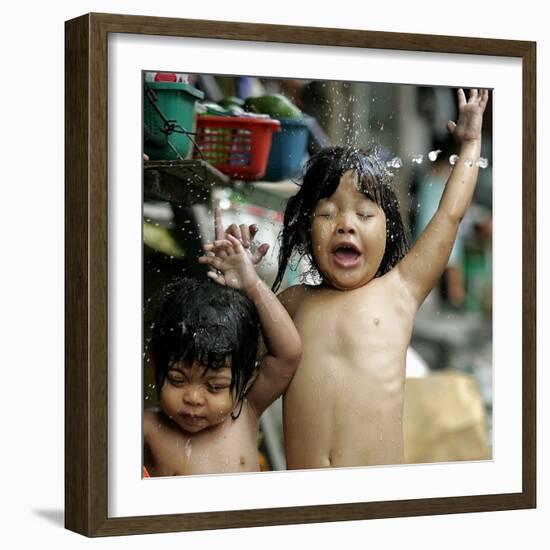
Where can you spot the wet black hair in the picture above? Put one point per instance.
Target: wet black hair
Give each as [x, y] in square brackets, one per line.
[199, 320]
[322, 174]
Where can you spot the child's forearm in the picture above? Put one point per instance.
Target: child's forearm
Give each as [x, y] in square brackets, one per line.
[279, 333]
[461, 183]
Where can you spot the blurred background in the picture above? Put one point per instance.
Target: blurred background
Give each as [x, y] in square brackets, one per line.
[239, 142]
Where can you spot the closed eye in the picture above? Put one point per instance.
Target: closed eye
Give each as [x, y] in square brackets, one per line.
[176, 377]
[216, 389]
[176, 381]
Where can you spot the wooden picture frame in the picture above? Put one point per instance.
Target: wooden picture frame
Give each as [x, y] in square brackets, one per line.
[86, 278]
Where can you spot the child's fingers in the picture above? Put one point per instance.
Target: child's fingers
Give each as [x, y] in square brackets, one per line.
[223, 249]
[484, 99]
[222, 253]
[211, 261]
[219, 248]
[216, 277]
[473, 95]
[245, 235]
[237, 246]
[253, 230]
[234, 230]
[451, 126]
[222, 243]
[461, 98]
[260, 252]
[218, 225]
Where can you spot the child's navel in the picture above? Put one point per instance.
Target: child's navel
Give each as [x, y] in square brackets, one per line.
[376, 321]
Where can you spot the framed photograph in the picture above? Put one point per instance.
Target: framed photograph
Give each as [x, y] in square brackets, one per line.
[164, 152]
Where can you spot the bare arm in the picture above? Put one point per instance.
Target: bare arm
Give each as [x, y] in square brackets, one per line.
[283, 346]
[280, 337]
[422, 267]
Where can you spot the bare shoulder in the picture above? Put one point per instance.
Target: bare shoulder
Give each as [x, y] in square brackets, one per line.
[151, 418]
[395, 290]
[292, 297]
[249, 413]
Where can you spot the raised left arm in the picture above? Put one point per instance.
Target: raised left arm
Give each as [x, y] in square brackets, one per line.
[282, 343]
[422, 267]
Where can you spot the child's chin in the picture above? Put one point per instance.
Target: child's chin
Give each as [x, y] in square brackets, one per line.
[347, 283]
[192, 427]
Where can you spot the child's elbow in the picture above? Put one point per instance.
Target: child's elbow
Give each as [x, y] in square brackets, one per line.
[293, 354]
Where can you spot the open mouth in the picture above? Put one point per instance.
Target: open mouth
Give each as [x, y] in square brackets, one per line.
[346, 255]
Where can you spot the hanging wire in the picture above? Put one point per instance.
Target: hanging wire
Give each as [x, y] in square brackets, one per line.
[171, 126]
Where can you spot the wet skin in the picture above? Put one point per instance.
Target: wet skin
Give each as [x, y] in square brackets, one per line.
[201, 427]
[344, 405]
[193, 432]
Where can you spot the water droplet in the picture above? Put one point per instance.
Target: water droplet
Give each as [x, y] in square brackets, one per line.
[469, 163]
[482, 162]
[453, 159]
[395, 162]
[187, 449]
[376, 321]
[417, 159]
[432, 155]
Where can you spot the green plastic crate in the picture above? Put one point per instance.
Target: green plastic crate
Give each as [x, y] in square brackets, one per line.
[176, 101]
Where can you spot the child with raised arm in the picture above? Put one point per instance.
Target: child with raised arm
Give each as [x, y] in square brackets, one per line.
[344, 405]
[204, 349]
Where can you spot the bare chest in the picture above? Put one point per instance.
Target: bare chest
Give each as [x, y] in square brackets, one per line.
[355, 324]
[232, 448]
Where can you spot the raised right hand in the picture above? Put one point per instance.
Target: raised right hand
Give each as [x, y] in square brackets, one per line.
[470, 116]
[244, 233]
[230, 265]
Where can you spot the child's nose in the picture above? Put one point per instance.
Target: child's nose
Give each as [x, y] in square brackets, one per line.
[193, 396]
[345, 224]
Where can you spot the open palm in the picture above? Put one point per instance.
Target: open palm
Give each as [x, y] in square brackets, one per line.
[233, 266]
[245, 235]
[470, 116]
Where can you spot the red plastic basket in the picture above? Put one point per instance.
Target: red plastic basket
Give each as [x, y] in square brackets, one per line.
[237, 146]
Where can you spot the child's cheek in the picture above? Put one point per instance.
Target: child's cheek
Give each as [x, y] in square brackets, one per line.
[321, 231]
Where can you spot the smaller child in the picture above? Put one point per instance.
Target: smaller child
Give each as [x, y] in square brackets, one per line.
[204, 347]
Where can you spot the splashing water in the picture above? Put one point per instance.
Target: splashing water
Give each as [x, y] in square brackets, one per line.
[187, 449]
[395, 162]
[482, 162]
[417, 159]
[469, 163]
[453, 159]
[432, 155]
